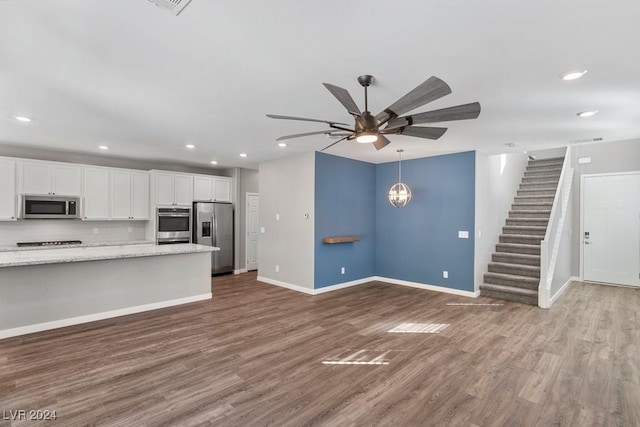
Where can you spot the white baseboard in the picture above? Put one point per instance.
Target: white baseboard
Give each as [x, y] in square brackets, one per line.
[39, 327]
[342, 285]
[562, 289]
[428, 287]
[240, 271]
[367, 280]
[285, 285]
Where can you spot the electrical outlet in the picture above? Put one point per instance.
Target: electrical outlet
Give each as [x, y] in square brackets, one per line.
[277, 268]
[130, 229]
[96, 231]
[342, 270]
[445, 274]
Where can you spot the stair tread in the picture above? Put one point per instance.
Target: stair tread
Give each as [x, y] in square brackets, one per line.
[519, 245]
[531, 210]
[520, 266]
[516, 255]
[509, 289]
[526, 227]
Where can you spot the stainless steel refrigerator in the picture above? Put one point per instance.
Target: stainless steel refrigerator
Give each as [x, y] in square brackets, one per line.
[213, 226]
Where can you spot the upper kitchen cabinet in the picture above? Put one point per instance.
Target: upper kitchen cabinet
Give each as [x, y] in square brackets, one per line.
[49, 178]
[172, 189]
[211, 188]
[7, 190]
[96, 193]
[129, 195]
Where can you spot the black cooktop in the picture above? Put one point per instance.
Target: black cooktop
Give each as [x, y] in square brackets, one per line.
[54, 243]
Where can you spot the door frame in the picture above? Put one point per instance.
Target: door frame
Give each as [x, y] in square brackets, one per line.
[246, 227]
[582, 211]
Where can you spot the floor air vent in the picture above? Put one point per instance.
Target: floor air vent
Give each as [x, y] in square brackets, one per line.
[173, 6]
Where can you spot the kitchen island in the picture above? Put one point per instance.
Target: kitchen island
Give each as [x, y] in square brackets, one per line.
[43, 289]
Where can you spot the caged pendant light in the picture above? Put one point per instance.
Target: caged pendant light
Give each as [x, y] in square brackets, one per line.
[399, 193]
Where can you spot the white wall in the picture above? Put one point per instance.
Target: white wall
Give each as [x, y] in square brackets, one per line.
[607, 157]
[37, 230]
[497, 181]
[287, 188]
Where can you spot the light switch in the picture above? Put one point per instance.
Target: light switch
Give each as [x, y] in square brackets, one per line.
[262, 230]
[584, 160]
[278, 217]
[463, 234]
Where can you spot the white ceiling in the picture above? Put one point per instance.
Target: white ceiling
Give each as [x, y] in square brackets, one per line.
[127, 74]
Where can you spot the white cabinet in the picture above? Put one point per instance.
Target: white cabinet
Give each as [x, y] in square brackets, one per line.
[49, 178]
[211, 188]
[129, 195]
[173, 189]
[96, 193]
[7, 190]
[221, 189]
[202, 188]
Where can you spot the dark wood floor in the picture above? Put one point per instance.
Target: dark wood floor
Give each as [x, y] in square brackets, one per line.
[254, 356]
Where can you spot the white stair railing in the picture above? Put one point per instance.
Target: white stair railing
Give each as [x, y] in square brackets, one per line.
[550, 245]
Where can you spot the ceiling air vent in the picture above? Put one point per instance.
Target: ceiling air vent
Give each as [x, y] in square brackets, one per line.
[173, 6]
[586, 140]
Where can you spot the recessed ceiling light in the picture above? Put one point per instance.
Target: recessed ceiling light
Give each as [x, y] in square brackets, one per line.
[586, 113]
[22, 119]
[282, 144]
[243, 154]
[190, 146]
[214, 162]
[573, 75]
[103, 147]
[510, 144]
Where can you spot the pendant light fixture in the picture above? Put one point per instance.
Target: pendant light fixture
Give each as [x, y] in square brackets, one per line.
[399, 193]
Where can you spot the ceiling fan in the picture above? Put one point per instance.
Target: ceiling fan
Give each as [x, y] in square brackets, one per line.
[373, 129]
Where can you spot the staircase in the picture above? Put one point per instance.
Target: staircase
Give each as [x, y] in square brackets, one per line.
[514, 273]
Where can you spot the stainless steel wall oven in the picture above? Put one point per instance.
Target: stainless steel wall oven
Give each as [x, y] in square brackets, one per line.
[173, 225]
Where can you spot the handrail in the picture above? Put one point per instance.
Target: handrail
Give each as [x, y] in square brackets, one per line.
[550, 245]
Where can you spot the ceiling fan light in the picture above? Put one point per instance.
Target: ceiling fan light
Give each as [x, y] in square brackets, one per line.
[367, 137]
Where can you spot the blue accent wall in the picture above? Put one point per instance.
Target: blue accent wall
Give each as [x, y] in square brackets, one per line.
[345, 203]
[418, 242]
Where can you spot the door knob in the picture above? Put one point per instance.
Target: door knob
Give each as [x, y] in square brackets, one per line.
[586, 242]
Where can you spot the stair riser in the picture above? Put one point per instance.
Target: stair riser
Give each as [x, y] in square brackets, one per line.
[531, 207]
[532, 192]
[513, 269]
[526, 231]
[549, 186]
[510, 297]
[511, 250]
[527, 221]
[510, 238]
[522, 284]
[550, 177]
[525, 199]
[537, 172]
[530, 214]
[514, 259]
[550, 166]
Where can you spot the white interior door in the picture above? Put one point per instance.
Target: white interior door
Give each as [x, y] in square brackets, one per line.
[611, 228]
[252, 231]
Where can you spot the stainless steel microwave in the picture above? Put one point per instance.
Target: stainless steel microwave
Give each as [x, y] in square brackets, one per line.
[49, 207]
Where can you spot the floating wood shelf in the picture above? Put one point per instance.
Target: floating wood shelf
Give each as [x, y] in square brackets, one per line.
[341, 239]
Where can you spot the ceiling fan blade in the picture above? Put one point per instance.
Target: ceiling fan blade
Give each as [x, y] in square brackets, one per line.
[381, 142]
[331, 145]
[421, 132]
[431, 89]
[304, 119]
[344, 97]
[298, 135]
[459, 112]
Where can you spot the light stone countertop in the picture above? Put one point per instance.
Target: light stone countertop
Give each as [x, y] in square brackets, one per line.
[60, 255]
[81, 245]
